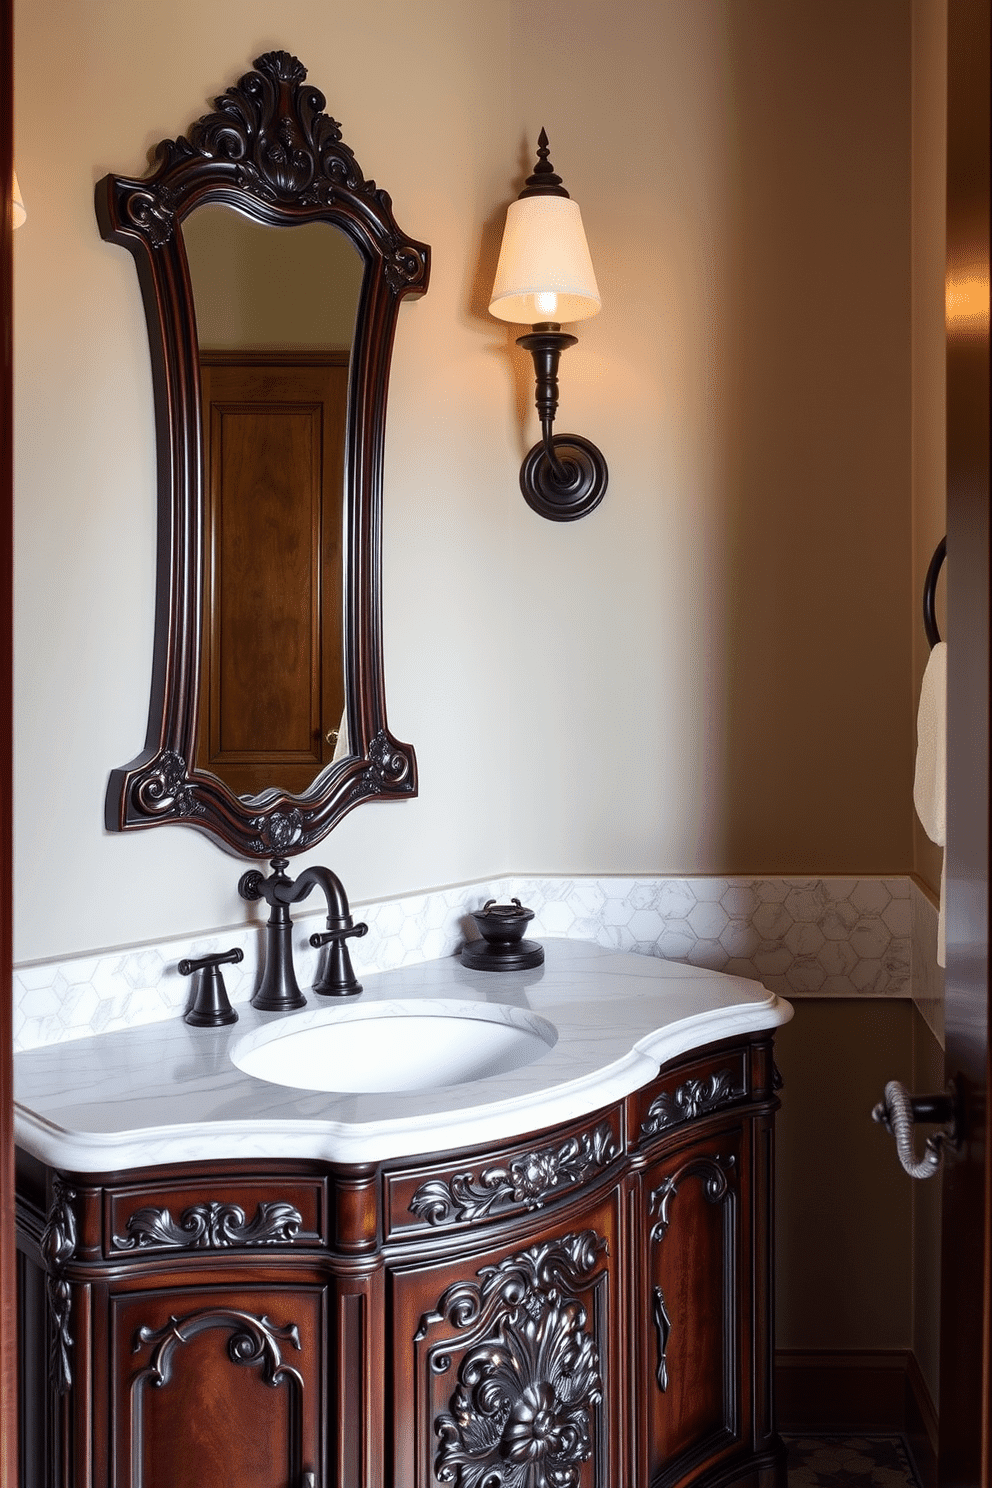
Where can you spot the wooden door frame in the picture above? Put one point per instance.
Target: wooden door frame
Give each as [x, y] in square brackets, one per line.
[966, 1340]
[8, 1275]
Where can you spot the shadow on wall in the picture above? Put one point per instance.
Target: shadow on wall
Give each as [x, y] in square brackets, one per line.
[815, 441]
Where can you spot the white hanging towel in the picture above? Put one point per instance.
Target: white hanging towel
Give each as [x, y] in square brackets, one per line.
[930, 783]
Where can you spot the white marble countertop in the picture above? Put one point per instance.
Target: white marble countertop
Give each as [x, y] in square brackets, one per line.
[166, 1092]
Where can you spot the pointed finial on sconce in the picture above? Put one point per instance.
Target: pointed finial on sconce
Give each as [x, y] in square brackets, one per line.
[545, 181]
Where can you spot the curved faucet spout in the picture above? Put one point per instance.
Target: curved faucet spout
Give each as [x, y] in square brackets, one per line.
[334, 894]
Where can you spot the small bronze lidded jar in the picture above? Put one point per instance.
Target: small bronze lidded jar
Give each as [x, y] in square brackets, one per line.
[502, 947]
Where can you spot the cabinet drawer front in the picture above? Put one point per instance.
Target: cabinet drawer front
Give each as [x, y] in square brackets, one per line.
[215, 1214]
[690, 1091]
[519, 1179]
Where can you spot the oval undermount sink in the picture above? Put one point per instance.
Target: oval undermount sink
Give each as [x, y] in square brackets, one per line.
[394, 1046]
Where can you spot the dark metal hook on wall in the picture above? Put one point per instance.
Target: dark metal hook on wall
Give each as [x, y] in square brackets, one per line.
[930, 593]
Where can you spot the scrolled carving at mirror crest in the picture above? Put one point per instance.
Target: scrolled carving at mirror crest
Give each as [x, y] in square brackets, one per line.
[271, 153]
[531, 1377]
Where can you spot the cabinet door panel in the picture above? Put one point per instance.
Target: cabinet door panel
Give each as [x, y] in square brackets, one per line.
[224, 1391]
[504, 1362]
[696, 1281]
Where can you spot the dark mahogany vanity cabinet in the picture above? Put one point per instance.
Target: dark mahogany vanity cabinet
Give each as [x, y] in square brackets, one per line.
[587, 1306]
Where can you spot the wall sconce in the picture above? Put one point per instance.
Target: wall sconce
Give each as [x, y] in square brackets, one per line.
[545, 276]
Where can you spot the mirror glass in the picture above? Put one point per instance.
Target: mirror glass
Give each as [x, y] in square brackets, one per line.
[275, 314]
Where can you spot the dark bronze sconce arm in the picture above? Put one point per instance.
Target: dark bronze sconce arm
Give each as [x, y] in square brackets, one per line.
[565, 476]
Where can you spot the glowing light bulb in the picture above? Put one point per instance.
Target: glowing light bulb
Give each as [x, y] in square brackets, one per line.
[547, 301]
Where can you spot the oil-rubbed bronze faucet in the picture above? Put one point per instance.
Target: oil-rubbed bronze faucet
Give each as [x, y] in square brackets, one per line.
[278, 991]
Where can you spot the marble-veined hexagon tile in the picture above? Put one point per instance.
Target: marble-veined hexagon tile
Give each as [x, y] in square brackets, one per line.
[839, 937]
[826, 937]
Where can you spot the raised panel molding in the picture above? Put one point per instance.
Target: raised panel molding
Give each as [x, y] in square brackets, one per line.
[252, 1343]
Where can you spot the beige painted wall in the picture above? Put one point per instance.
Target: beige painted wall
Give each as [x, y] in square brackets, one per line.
[715, 668]
[737, 618]
[857, 1241]
[844, 1277]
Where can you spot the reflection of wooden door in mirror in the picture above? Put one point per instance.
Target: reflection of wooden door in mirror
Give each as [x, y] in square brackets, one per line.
[272, 688]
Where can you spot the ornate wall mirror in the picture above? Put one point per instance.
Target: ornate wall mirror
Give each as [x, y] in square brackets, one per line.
[271, 273]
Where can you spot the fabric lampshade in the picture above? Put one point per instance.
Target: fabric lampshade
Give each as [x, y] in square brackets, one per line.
[544, 271]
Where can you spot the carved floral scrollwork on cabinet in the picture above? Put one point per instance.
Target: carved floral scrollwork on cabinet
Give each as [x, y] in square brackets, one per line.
[713, 1171]
[258, 1376]
[251, 1341]
[696, 1097]
[228, 1390]
[58, 1245]
[528, 1181]
[211, 1226]
[529, 1383]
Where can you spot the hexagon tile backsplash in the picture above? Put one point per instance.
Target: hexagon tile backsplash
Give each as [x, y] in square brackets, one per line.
[801, 937]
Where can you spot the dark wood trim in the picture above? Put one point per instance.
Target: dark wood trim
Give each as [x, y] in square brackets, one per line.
[965, 1344]
[274, 357]
[238, 157]
[866, 1389]
[8, 1263]
[922, 1424]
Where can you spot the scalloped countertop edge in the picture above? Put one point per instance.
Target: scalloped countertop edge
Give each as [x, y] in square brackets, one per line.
[165, 1092]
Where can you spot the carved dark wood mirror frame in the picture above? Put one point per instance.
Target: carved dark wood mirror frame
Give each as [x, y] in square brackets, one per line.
[270, 152]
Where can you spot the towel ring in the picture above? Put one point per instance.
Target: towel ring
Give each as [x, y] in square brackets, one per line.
[930, 593]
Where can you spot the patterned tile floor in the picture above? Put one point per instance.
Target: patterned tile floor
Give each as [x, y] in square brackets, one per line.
[850, 1462]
